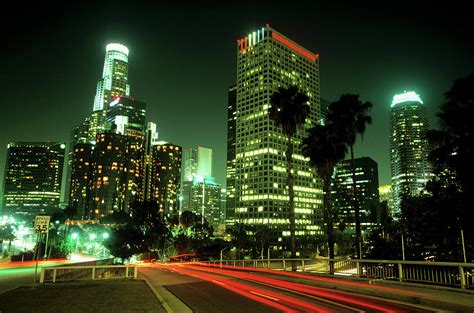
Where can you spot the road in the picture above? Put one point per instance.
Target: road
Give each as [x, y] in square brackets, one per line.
[205, 289]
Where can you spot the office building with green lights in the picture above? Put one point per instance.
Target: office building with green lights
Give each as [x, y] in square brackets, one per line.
[409, 165]
[266, 60]
[33, 176]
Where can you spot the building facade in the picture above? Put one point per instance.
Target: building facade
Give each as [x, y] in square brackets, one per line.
[126, 116]
[81, 179]
[266, 60]
[33, 177]
[409, 165]
[367, 193]
[166, 177]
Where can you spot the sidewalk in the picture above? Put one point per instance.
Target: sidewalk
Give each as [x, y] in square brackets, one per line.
[91, 296]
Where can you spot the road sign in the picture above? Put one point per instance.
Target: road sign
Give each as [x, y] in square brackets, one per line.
[42, 223]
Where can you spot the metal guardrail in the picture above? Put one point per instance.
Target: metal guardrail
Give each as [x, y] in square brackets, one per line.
[435, 273]
[87, 272]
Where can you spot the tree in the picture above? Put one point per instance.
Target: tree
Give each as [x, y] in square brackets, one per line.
[289, 109]
[240, 238]
[453, 146]
[325, 148]
[187, 220]
[351, 116]
[7, 233]
[262, 239]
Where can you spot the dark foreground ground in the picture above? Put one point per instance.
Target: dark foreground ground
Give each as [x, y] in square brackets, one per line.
[97, 297]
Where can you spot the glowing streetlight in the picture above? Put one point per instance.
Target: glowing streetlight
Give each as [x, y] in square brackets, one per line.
[92, 236]
[105, 235]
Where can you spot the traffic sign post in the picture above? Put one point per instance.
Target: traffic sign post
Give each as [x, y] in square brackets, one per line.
[41, 226]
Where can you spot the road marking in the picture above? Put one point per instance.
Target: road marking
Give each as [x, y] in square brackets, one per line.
[265, 296]
[218, 282]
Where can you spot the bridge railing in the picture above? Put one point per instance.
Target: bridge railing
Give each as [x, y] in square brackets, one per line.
[436, 273]
[87, 272]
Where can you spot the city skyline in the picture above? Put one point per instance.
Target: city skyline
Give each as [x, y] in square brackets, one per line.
[60, 91]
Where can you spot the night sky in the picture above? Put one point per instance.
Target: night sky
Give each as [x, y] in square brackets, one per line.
[183, 58]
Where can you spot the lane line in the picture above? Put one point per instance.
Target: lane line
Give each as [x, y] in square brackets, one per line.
[265, 296]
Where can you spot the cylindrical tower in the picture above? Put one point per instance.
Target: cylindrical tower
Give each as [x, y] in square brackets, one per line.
[408, 146]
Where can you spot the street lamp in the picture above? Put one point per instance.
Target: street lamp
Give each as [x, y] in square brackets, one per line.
[74, 236]
[105, 236]
[222, 252]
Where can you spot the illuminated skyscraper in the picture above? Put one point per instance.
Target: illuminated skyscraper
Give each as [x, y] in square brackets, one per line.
[33, 175]
[408, 147]
[114, 83]
[267, 60]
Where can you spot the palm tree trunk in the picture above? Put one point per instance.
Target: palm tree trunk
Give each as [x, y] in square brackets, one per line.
[289, 159]
[355, 204]
[329, 220]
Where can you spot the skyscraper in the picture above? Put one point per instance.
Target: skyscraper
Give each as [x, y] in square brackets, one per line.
[367, 184]
[33, 175]
[196, 162]
[267, 60]
[114, 82]
[408, 146]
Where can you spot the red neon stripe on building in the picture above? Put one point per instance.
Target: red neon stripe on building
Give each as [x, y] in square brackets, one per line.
[293, 46]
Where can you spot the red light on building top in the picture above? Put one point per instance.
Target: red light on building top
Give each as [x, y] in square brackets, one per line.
[293, 46]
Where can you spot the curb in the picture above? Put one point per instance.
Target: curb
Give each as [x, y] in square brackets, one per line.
[158, 296]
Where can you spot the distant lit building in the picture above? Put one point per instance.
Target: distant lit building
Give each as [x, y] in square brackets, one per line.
[266, 60]
[385, 192]
[367, 197]
[196, 162]
[166, 177]
[408, 147]
[32, 179]
[203, 196]
[114, 83]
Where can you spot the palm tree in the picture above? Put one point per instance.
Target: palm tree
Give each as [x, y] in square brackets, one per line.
[325, 148]
[351, 116]
[289, 109]
[453, 144]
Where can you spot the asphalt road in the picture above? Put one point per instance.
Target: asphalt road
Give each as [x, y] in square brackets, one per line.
[219, 290]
